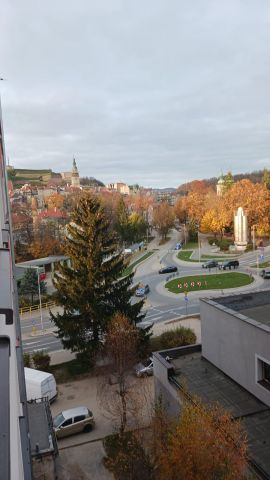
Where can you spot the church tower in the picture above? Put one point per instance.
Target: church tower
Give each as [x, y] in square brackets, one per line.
[220, 186]
[75, 178]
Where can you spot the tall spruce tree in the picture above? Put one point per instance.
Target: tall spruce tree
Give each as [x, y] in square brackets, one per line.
[91, 289]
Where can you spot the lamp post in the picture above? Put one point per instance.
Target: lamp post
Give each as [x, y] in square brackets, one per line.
[39, 296]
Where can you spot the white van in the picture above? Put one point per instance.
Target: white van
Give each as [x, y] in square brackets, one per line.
[39, 384]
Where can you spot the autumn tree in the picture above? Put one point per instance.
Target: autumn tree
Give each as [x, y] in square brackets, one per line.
[215, 220]
[122, 224]
[163, 219]
[137, 226]
[47, 240]
[253, 197]
[180, 210]
[117, 391]
[91, 290]
[204, 443]
[55, 200]
[266, 178]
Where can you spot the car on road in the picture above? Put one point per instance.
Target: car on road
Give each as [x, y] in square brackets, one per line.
[178, 246]
[74, 420]
[142, 290]
[265, 273]
[170, 269]
[144, 369]
[210, 264]
[229, 264]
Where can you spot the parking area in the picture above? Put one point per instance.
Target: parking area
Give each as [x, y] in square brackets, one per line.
[85, 392]
[84, 462]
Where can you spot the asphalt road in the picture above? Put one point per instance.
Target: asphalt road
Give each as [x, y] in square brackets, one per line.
[159, 306]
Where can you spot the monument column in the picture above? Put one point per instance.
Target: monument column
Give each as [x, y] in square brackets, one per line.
[240, 229]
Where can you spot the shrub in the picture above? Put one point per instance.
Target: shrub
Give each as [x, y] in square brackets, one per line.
[126, 458]
[173, 338]
[249, 247]
[27, 360]
[41, 360]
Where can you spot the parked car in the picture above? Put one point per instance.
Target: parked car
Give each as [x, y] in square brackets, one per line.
[39, 384]
[178, 246]
[229, 264]
[144, 369]
[210, 264]
[265, 273]
[168, 269]
[74, 420]
[142, 291]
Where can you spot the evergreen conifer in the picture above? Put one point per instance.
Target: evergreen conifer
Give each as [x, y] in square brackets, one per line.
[91, 290]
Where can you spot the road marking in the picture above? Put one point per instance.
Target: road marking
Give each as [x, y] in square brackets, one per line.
[44, 344]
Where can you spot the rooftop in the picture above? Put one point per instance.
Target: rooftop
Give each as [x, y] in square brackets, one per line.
[247, 306]
[200, 378]
[40, 426]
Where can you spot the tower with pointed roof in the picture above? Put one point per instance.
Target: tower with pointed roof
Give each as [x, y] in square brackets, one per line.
[220, 186]
[75, 178]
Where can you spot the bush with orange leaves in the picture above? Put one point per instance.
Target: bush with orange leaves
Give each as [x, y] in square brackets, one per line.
[204, 443]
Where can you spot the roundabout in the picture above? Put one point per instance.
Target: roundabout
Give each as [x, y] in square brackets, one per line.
[215, 281]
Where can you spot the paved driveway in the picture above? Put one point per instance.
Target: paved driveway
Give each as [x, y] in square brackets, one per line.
[85, 392]
[84, 462]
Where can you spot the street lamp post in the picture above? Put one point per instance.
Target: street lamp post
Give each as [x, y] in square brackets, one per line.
[40, 303]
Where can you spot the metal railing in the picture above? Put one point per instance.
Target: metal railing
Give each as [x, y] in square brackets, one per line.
[35, 308]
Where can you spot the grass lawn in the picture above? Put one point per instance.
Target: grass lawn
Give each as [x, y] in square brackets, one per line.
[129, 269]
[213, 281]
[186, 254]
[262, 265]
[190, 246]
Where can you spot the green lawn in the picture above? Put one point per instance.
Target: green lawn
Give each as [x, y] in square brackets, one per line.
[262, 265]
[190, 246]
[186, 254]
[129, 269]
[213, 281]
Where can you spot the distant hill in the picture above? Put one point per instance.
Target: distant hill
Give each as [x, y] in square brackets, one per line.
[255, 177]
[91, 182]
[39, 178]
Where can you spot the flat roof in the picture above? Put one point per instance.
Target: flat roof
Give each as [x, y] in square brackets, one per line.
[254, 305]
[43, 261]
[202, 379]
[41, 441]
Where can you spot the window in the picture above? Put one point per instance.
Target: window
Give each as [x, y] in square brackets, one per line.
[67, 422]
[79, 418]
[263, 373]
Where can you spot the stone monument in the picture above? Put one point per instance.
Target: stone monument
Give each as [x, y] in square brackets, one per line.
[240, 230]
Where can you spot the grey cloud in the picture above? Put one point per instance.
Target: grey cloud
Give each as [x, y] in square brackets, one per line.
[152, 92]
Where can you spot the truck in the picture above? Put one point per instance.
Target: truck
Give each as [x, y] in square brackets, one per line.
[39, 384]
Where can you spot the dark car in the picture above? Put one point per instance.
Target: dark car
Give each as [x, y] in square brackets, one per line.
[210, 264]
[168, 270]
[265, 273]
[229, 264]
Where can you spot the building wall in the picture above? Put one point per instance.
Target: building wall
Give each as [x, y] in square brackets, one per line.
[231, 342]
[163, 387]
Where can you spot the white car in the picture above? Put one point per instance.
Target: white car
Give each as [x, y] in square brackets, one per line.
[144, 369]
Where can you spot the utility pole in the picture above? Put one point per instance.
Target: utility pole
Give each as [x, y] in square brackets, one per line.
[15, 458]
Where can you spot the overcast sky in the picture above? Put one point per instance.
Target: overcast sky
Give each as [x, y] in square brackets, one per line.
[155, 92]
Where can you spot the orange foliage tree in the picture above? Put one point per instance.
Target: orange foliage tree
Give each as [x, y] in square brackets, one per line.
[205, 443]
[253, 197]
[55, 200]
[163, 218]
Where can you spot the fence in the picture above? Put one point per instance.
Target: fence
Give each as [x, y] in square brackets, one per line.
[35, 308]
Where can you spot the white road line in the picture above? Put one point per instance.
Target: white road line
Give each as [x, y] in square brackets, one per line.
[48, 343]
